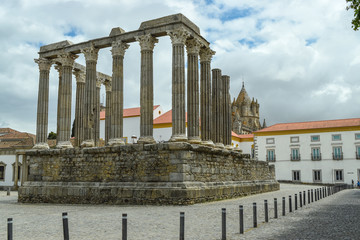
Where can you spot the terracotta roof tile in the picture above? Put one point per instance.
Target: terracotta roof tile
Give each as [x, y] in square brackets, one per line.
[166, 118]
[127, 112]
[351, 122]
[242, 135]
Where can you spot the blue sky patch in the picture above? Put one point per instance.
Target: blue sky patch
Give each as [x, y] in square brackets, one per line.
[236, 13]
[209, 2]
[310, 41]
[251, 43]
[35, 44]
[73, 32]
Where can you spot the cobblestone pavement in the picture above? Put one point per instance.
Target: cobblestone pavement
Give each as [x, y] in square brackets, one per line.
[202, 221]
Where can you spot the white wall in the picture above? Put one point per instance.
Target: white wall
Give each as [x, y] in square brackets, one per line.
[284, 167]
[9, 160]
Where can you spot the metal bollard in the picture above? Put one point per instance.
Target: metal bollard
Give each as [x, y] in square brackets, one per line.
[304, 203]
[312, 195]
[295, 201]
[10, 228]
[124, 226]
[254, 215]
[283, 206]
[182, 226]
[290, 204]
[320, 193]
[8, 192]
[275, 208]
[324, 192]
[241, 219]
[316, 194]
[266, 211]
[300, 199]
[65, 226]
[223, 224]
[308, 196]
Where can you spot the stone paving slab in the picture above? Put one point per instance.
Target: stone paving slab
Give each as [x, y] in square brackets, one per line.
[202, 221]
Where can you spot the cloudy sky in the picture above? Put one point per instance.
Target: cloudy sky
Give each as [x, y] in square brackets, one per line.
[300, 59]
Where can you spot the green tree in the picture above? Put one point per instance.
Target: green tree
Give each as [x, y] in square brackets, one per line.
[52, 135]
[355, 5]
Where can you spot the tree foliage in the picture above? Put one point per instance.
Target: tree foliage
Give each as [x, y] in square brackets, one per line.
[355, 5]
[52, 135]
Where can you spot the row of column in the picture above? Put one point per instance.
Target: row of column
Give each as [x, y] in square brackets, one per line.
[87, 117]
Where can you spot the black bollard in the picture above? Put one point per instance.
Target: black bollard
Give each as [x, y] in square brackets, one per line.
[296, 201]
[316, 194]
[304, 198]
[290, 204]
[241, 219]
[124, 226]
[8, 192]
[10, 228]
[65, 226]
[300, 199]
[324, 193]
[308, 196]
[254, 215]
[320, 193]
[223, 224]
[266, 211]
[275, 208]
[312, 195]
[283, 206]
[182, 226]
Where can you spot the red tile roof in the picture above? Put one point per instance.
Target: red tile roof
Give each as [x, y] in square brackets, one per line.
[242, 135]
[352, 122]
[166, 118]
[127, 112]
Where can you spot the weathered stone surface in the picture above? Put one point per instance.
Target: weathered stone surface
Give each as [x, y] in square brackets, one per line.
[166, 173]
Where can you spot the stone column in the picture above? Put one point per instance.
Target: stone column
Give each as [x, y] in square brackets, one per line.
[97, 112]
[117, 95]
[227, 111]
[108, 112]
[16, 172]
[64, 117]
[193, 48]
[79, 107]
[23, 172]
[217, 109]
[58, 67]
[147, 43]
[205, 96]
[91, 55]
[178, 38]
[43, 104]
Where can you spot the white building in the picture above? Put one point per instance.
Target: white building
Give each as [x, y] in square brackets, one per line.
[312, 152]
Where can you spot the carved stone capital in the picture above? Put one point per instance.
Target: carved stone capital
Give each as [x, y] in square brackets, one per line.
[67, 59]
[44, 64]
[147, 42]
[119, 48]
[99, 81]
[108, 86]
[58, 68]
[80, 76]
[193, 46]
[206, 54]
[178, 36]
[90, 53]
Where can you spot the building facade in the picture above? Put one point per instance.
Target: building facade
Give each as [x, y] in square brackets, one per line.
[325, 152]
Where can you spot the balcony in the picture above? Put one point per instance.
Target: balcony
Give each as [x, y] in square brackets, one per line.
[338, 156]
[357, 155]
[295, 157]
[316, 157]
[271, 158]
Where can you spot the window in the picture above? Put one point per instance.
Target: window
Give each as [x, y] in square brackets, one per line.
[294, 139]
[270, 155]
[317, 175]
[337, 153]
[339, 175]
[295, 155]
[357, 136]
[2, 172]
[315, 154]
[315, 138]
[296, 175]
[336, 137]
[357, 152]
[270, 140]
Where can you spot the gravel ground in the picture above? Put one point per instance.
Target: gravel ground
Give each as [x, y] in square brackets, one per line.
[202, 221]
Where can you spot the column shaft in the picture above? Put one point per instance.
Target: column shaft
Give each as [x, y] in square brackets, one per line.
[79, 108]
[58, 67]
[91, 54]
[217, 108]
[108, 113]
[193, 48]
[43, 104]
[205, 97]
[178, 39]
[16, 171]
[117, 95]
[97, 114]
[227, 110]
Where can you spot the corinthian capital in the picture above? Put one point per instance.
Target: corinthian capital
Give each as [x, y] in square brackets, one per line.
[193, 46]
[206, 54]
[67, 59]
[99, 81]
[90, 53]
[178, 36]
[108, 86]
[119, 48]
[44, 64]
[147, 42]
[80, 76]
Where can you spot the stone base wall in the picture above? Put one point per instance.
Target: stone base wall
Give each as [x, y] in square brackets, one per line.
[165, 173]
